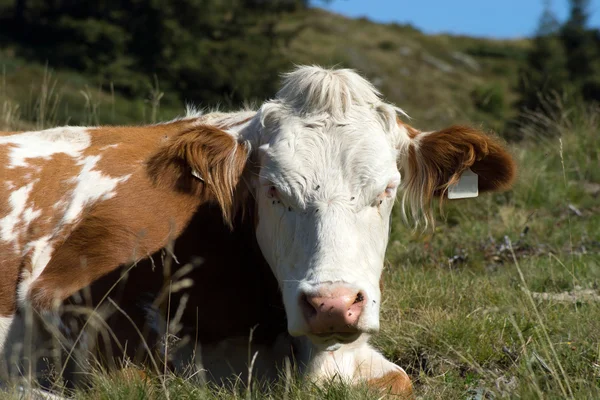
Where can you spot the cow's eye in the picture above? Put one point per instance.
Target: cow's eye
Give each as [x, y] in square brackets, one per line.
[272, 193]
[391, 187]
[389, 192]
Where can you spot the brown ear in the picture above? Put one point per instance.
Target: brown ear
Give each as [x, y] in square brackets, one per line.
[436, 160]
[203, 161]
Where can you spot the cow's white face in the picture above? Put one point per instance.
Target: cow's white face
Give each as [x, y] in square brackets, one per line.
[325, 173]
[324, 193]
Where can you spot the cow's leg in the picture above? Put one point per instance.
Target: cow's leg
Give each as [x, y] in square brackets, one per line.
[6, 322]
[26, 357]
[388, 377]
[355, 363]
[31, 354]
[43, 287]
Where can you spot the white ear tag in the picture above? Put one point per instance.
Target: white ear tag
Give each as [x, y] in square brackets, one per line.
[466, 187]
[197, 174]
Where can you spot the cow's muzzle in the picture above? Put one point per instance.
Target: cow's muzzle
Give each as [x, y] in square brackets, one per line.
[333, 311]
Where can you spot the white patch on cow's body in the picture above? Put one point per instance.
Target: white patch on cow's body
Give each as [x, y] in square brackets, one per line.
[17, 202]
[5, 324]
[109, 146]
[29, 215]
[43, 144]
[41, 253]
[92, 185]
[351, 364]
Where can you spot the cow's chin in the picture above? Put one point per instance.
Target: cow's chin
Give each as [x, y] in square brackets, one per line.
[332, 342]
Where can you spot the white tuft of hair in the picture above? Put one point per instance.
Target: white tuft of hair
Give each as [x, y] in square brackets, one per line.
[314, 90]
[192, 111]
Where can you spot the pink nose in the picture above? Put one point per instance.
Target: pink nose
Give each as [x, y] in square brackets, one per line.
[335, 311]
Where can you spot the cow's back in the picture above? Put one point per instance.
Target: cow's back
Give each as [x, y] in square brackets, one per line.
[51, 181]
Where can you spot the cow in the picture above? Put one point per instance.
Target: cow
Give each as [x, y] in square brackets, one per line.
[314, 170]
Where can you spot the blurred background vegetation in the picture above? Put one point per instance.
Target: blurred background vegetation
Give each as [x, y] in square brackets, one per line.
[230, 53]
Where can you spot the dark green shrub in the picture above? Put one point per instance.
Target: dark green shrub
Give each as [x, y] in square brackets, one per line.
[387, 45]
[490, 99]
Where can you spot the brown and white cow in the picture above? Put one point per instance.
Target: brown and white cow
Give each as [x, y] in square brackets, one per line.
[321, 162]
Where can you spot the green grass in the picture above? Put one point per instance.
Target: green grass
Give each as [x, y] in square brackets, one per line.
[475, 324]
[461, 312]
[36, 96]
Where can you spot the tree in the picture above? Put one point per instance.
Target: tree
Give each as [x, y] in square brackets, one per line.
[207, 51]
[546, 69]
[583, 56]
[544, 74]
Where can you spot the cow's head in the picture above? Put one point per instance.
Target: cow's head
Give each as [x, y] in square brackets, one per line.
[329, 158]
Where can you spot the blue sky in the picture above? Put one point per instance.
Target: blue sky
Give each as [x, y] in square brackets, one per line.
[484, 18]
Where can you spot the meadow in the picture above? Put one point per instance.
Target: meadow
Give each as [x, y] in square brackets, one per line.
[499, 300]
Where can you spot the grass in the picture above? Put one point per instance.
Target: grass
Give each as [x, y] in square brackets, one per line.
[471, 310]
[36, 96]
[461, 311]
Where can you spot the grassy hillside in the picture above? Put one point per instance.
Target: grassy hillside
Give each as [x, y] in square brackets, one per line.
[438, 80]
[501, 300]
[434, 78]
[36, 96]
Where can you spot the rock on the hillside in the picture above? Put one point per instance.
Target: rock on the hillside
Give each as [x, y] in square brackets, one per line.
[405, 51]
[466, 60]
[437, 63]
[591, 188]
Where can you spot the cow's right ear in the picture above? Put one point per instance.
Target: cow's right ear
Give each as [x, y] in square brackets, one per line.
[203, 161]
[434, 161]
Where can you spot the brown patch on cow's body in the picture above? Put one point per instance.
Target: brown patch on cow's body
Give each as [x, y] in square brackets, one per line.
[120, 230]
[215, 156]
[48, 187]
[10, 275]
[394, 385]
[139, 219]
[8, 283]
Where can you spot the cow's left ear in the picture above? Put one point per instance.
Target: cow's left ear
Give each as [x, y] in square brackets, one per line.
[433, 161]
[203, 161]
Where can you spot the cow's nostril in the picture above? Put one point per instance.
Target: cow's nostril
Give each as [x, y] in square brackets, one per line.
[359, 298]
